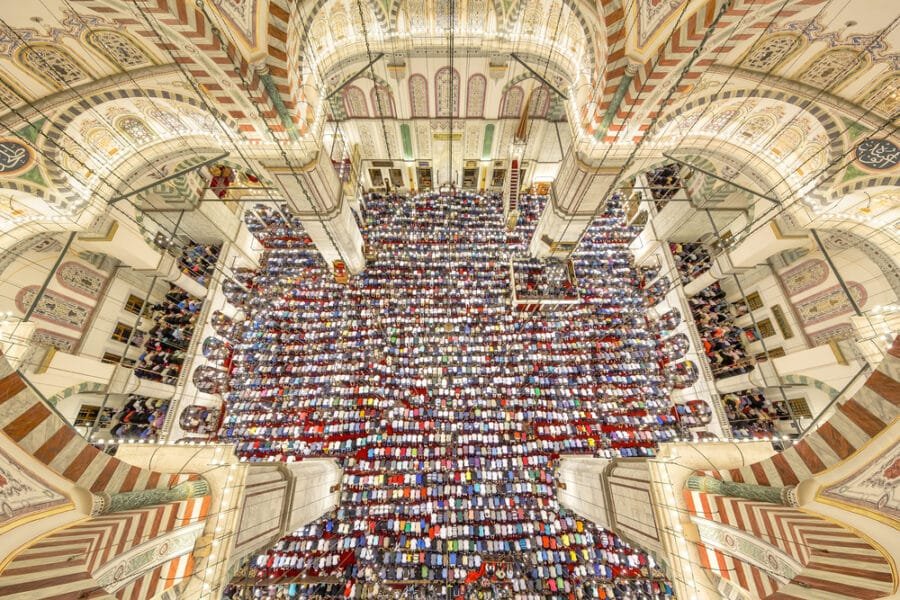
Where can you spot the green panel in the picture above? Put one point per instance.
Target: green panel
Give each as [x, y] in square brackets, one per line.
[407, 142]
[488, 142]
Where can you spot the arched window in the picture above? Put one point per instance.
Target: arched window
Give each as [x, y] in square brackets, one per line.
[834, 68]
[101, 139]
[355, 102]
[118, 48]
[475, 93]
[53, 63]
[382, 101]
[755, 127]
[721, 119]
[885, 96]
[446, 83]
[512, 103]
[539, 103]
[135, 130]
[772, 51]
[418, 96]
[9, 98]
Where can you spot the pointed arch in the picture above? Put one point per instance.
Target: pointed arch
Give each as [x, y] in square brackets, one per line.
[476, 90]
[835, 68]
[117, 47]
[772, 51]
[382, 101]
[54, 64]
[355, 102]
[539, 103]
[418, 96]
[135, 129]
[446, 92]
[511, 104]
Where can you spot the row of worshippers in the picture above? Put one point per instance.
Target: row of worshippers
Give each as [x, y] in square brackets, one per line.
[664, 182]
[447, 410]
[167, 340]
[140, 418]
[691, 260]
[198, 261]
[723, 341]
[752, 415]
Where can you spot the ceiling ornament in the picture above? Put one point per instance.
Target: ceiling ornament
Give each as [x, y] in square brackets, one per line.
[873, 44]
[72, 24]
[651, 15]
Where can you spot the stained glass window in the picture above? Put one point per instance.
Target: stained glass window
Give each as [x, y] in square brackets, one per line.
[512, 102]
[53, 63]
[771, 52]
[446, 82]
[418, 95]
[382, 101]
[355, 102]
[833, 68]
[118, 48]
[136, 130]
[475, 93]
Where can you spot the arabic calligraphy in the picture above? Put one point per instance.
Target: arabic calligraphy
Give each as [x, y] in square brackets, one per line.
[878, 154]
[13, 157]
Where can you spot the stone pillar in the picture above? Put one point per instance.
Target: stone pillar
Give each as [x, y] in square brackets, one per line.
[124, 244]
[785, 496]
[753, 250]
[126, 382]
[105, 503]
[314, 193]
[576, 196]
[170, 271]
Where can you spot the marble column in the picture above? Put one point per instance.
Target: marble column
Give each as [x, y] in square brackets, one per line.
[105, 503]
[577, 194]
[315, 194]
[125, 244]
[749, 491]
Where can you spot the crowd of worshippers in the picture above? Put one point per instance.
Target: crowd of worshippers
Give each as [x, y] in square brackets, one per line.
[198, 261]
[139, 419]
[447, 409]
[167, 340]
[535, 279]
[751, 415]
[664, 182]
[691, 260]
[723, 341]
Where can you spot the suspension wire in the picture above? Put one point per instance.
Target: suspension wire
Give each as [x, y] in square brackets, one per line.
[73, 90]
[543, 87]
[375, 87]
[215, 30]
[454, 97]
[808, 102]
[65, 150]
[338, 125]
[708, 106]
[685, 69]
[131, 78]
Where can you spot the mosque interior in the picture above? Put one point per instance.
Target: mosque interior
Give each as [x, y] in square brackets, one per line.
[464, 299]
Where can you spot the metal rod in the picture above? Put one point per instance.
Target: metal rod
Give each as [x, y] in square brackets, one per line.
[840, 279]
[354, 76]
[49, 278]
[90, 431]
[167, 178]
[731, 183]
[538, 75]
